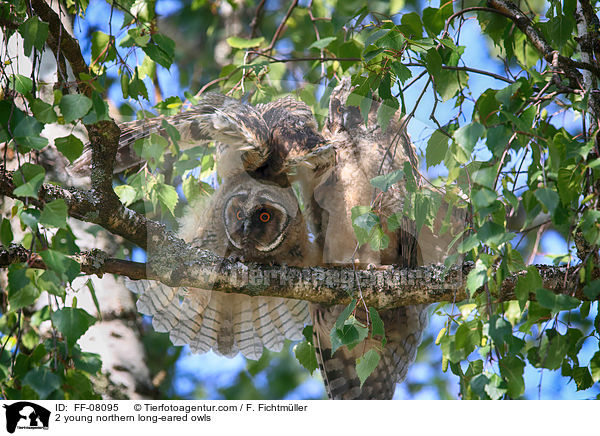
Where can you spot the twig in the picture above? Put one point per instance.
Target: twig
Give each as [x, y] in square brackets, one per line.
[279, 30]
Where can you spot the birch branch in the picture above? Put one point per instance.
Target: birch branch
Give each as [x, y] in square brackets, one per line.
[382, 287]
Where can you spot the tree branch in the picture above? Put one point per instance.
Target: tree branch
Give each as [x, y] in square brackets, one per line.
[62, 42]
[535, 37]
[89, 207]
[100, 205]
[381, 287]
[279, 30]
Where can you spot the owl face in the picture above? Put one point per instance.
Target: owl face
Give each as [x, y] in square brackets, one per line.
[257, 218]
[343, 117]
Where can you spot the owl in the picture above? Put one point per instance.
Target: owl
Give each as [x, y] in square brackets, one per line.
[253, 220]
[254, 215]
[364, 151]
[261, 153]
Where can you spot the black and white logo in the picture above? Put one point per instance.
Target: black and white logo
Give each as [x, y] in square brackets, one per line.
[26, 415]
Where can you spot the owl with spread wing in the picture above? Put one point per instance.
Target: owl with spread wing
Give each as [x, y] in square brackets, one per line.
[262, 152]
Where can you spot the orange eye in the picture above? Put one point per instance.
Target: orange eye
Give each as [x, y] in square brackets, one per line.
[238, 215]
[339, 109]
[265, 217]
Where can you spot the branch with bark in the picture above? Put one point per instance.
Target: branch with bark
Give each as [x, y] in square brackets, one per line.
[381, 287]
[88, 206]
[536, 38]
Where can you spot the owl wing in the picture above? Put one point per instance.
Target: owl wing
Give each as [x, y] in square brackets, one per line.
[238, 128]
[295, 142]
[225, 323]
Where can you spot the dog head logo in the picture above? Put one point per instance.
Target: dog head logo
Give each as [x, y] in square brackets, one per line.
[26, 415]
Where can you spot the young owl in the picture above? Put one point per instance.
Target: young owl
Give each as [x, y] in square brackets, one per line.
[255, 216]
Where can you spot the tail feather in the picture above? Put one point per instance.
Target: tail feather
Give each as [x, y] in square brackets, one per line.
[403, 326]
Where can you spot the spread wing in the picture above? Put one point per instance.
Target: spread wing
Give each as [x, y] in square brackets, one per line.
[238, 128]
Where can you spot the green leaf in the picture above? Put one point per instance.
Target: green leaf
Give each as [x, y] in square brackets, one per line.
[305, 353]
[591, 290]
[30, 217]
[42, 380]
[151, 149]
[28, 179]
[595, 367]
[21, 292]
[527, 284]
[467, 136]
[72, 323]
[237, 42]
[78, 386]
[494, 234]
[103, 48]
[384, 181]
[135, 37]
[437, 147]
[194, 188]
[468, 336]
[64, 241]
[483, 197]
[412, 25]
[61, 264]
[50, 282]
[477, 277]
[494, 388]
[21, 84]
[319, 45]
[479, 384]
[366, 364]
[377, 327]
[43, 111]
[74, 106]
[126, 194]
[364, 223]
[511, 368]
[469, 243]
[386, 111]
[27, 133]
[161, 51]
[548, 197]
[88, 362]
[401, 71]
[500, 330]
[583, 378]
[17, 277]
[34, 33]
[54, 214]
[70, 146]
[396, 6]
[6, 233]
[556, 302]
[23, 297]
[350, 334]
[167, 196]
[341, 319]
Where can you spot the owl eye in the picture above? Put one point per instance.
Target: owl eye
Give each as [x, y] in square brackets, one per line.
[239, 215]
[338, 109]
[265, 217]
